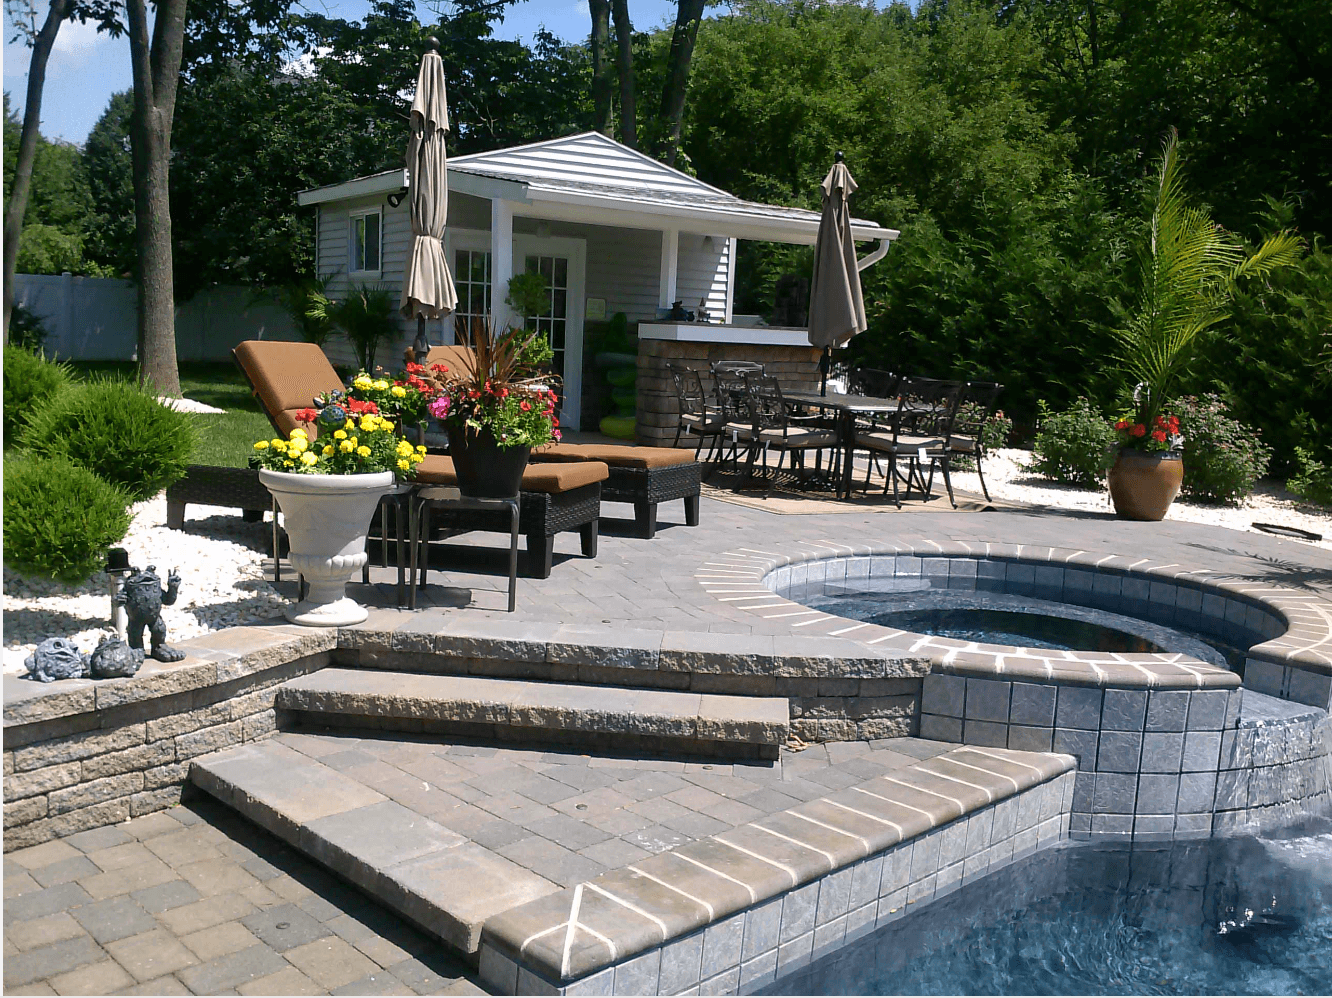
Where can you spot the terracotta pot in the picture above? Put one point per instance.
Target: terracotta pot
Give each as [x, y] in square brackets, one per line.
[485, 469]
[327, 518]
[1143, 485]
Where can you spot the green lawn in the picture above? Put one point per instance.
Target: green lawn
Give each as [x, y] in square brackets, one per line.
[225, 439]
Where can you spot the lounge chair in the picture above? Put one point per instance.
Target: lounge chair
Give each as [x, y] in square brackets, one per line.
[287, 376]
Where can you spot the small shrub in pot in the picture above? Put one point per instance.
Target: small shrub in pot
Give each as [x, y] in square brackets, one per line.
[1073, 446]
[1223, 458]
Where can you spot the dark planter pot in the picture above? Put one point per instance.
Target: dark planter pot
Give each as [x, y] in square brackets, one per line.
[485, 469]
[1143, 485]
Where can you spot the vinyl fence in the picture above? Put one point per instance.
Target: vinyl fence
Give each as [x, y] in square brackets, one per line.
[93, 318]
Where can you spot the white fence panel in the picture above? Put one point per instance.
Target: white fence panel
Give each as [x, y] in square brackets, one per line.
[94, 318]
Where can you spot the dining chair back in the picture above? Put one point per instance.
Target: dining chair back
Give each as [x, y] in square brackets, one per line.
[873, 382]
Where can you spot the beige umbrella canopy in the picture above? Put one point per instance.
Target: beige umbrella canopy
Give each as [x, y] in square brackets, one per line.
[836, 309]
[427, 287]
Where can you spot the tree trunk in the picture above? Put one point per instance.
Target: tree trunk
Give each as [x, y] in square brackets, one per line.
[601, 65]
[27, 151]
[624, 41]
[156, 72]
[688, 14]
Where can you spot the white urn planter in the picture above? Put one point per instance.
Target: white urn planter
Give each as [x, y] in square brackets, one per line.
[327, 518]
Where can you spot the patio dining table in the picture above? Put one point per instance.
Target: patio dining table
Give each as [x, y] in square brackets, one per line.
[846, 407]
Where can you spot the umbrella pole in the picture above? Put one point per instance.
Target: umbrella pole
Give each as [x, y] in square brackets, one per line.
[421, 346]
[825, 362]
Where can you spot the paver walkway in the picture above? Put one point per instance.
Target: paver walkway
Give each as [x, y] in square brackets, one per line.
[195, 900]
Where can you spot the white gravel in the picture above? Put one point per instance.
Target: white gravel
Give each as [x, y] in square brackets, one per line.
[186, 405]
[1007, 477]
[221, 563]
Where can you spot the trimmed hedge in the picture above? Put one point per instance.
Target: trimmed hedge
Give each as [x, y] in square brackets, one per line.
[60, 518]
[30, 382]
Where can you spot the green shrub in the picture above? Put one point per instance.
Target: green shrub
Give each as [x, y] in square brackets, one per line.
[26, 328]
[1072, 446]
[60, 518]
[1223, 458]
[118, 430]
[994, 433]
[1314, 479]
[30, 380]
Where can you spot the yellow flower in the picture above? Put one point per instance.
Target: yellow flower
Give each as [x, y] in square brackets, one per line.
[297, 445]
[308, 458]
[417, 458]
[261, 445]
[404, 448]
[328, 450]
[350, 424]
[404, 465]
[277, 443]
[420, 448]
[299, 434]
[288, 464]
[339, 434]
[354, 441]
[381, 385]
[399, 392]
[368, 424]
[363, 451]
[362, 381]
[346, 446]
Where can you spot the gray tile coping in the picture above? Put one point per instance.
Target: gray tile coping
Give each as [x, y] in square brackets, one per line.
[811, 847]
[1297, 626]
[558, 706]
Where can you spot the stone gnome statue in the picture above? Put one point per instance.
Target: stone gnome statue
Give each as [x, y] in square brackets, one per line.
[143, 597]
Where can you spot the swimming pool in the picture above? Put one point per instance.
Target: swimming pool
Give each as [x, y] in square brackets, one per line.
[1225, 916]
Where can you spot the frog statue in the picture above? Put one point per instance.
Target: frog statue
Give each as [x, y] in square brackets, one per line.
[143, 597]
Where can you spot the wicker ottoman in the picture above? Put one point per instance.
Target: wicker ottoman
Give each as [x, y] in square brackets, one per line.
[641, 476]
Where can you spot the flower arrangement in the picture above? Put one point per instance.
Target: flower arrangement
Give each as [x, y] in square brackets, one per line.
[357, 441]
[1163, 435]
[500, 394]
[402, 399]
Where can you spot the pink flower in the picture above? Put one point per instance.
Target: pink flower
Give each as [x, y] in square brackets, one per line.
[439, 407]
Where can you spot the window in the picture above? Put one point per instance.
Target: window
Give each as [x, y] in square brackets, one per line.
[471, 279]
[364, 255]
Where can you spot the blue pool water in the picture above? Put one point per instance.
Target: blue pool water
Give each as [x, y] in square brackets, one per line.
[1225, 916]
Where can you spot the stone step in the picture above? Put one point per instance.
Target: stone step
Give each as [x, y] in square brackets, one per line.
[425, 872]
[699, 723]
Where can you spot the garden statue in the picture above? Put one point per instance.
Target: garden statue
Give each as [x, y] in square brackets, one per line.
[113, 658]
[56, 658]
[143, 597]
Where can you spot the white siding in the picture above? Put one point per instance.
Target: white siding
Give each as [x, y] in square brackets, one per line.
[623, 267]
[701, 273]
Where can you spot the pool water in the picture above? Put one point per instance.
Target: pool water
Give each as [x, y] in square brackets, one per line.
[1008, 627]
[1223, 916]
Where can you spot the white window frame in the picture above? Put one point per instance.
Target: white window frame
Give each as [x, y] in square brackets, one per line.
[352, 243]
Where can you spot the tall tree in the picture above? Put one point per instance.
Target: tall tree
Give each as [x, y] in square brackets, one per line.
[155, 69]
[601, 64]
[687, 17]
[624, 61]
[42, 42]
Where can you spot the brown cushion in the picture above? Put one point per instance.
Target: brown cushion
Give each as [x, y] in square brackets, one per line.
[286, 375]
[437, 469]
[615, 455]
[904, 445]
[458, 359]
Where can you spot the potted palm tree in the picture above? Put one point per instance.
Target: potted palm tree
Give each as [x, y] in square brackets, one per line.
[1188, 270]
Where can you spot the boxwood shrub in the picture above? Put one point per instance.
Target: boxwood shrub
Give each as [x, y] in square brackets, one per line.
[118, 430]
[1223, 458]
[60, 518]
[1073, 446]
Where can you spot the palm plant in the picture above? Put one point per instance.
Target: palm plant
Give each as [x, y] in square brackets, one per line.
[366, 315]
[1189, 271]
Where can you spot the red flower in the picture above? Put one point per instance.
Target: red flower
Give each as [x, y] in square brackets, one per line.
[1159, 436]
[1138, 430]
[358, 408]
[525, 406]
[306, 416]
[1122, 425]
[418, 368]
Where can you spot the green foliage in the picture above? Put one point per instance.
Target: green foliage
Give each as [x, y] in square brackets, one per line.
[366, 315]
[1073, 446]
[107, 161]
[994, 431]
[44, 249]
[1313, 480]
[30, 382]
[116, 429]
[1188, 271]
[26, 328]
[60, 518]
[1223, 458]
[528, 294]
[297, 298]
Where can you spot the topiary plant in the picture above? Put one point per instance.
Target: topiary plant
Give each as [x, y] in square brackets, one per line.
[116, 429]
[1072, 446]
[60, 519]
[1223, 458]
[30, 380]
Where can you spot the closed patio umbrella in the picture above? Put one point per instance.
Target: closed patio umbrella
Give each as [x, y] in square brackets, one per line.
[427, 287]
[836, 309]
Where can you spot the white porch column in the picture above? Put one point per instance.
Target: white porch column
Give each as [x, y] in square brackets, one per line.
[501, 261]
[670, 265]
[732, 245]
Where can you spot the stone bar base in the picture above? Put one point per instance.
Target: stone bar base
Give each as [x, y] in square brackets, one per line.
[797, 368]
